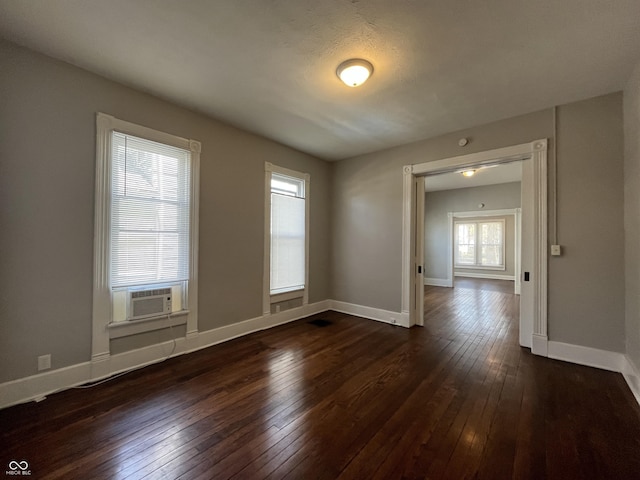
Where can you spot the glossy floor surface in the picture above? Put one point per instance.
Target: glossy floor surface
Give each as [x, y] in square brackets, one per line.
[353, 399]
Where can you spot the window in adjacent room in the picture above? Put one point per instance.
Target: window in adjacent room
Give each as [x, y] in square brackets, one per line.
[287, 234]
[146, 202]
[479, 244]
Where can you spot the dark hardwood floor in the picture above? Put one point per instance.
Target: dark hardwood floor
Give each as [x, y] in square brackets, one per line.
[354, 399]
[504, 286]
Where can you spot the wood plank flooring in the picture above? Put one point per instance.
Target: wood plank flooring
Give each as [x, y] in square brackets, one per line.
[356, 399]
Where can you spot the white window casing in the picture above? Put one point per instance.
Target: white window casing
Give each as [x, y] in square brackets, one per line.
[146, 226]
[480, 244]
[286, 252]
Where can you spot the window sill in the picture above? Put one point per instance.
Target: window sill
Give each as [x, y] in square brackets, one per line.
[283, 297]
[133, 327]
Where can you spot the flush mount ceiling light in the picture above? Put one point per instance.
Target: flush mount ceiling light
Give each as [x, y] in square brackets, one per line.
[468, 173]
[354, 72]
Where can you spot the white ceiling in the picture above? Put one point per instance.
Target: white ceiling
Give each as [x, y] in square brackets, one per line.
[507, 173]
[268, 66]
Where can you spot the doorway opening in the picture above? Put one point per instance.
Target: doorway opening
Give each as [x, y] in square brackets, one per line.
[533, 269]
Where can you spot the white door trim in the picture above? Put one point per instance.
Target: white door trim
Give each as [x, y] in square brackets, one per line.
[537, 194]
[418, 249]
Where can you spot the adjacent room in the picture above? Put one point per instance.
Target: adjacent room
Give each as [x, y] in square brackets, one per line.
[301, 239]
[472, 232]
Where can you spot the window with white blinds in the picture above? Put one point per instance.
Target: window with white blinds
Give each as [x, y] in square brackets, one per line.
[288, 234]
[150, 212]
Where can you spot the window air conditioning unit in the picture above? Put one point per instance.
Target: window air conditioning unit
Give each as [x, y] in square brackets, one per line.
[149, 303]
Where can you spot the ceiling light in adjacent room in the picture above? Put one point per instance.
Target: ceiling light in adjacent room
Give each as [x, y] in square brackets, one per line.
[354, 72]
[468, 173]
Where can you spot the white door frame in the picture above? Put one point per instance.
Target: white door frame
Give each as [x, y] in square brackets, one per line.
[533, 315]
[418, 249]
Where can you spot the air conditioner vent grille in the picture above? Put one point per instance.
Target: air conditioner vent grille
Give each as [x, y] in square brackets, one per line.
[148, 303]
[150, 293]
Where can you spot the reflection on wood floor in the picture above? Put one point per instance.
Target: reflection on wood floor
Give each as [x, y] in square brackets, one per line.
[353, 399]
[505, 286]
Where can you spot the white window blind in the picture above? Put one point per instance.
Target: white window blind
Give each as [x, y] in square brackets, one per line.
[150, 199]
[287, 234]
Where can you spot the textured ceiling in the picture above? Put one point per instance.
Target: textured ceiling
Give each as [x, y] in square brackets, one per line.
[268, 66]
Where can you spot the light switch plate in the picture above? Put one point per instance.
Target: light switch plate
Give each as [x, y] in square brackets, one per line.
[556, 250]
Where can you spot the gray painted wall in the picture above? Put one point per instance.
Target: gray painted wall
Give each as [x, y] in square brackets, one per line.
[632, 214]
[47, 163]
[436, 223]
[585, 307]
[47, 168]
[367, 206]
[586, 284]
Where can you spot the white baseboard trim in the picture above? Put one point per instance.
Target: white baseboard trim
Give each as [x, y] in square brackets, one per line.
[246, 327]
[591, 357]
[631, 374]
[37, 387]
[603, 359]
[438, 282]
[387, 316]
[489, 276]
[540, 345]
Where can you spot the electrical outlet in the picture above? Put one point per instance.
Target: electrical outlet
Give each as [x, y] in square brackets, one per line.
[556, 250]
[277, 308]
[44, 362]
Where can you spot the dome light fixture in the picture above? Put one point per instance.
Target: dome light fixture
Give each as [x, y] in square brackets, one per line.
[354, 72]
[468, 173]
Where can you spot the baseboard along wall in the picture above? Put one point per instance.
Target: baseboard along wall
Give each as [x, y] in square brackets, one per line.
[37, 387]
[438, 282]
[489, 276]
[602, 359]
[631, 374]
